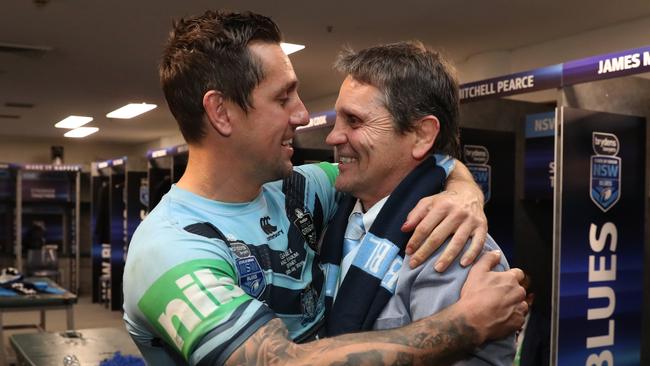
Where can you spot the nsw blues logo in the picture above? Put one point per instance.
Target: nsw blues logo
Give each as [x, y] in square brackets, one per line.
[605, 186]
[476, 159]
[251, 276]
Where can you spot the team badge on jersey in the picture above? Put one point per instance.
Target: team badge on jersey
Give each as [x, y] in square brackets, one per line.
[251, 276]
[305, 223]
[605, 186]
[476, 159]
[239, 249]
[309, 303]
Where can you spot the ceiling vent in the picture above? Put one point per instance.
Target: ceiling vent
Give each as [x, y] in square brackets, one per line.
[9, 116]
[24, 49]
[19, 105]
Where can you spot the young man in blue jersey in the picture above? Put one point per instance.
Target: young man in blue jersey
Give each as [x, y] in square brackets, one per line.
[397, 105]
[225, 269]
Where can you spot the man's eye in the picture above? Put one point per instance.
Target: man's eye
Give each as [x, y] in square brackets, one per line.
[353, 120]
[283, 101]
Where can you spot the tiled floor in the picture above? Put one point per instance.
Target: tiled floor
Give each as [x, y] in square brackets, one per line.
[86, 315]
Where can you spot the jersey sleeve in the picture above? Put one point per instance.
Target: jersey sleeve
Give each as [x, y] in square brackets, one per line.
[200, 311]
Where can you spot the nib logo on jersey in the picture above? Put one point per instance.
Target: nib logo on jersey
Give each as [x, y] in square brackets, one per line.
[605, 170]
[269, 229]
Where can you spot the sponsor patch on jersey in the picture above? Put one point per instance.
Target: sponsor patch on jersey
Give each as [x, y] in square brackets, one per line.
[239, 249]
[251, 276]
[305, 223]
[187, 301]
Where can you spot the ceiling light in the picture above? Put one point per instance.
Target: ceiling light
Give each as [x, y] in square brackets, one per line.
[131, 110]
[290, 48]
[73, 122]
[81, 132]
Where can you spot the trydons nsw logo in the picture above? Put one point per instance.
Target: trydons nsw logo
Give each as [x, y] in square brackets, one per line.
[605, 183]
[476, 159]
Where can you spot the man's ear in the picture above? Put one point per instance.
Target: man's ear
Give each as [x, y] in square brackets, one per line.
[217, 112]
[426, 132]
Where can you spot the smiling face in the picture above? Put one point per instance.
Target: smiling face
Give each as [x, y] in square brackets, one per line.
[267, 129]
[373, 156]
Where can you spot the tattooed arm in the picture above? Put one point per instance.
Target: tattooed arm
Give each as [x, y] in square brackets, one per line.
[491, 306]
[426, 342]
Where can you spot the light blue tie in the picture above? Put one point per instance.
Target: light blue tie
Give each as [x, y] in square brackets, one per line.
[351, 242]
[353, 233]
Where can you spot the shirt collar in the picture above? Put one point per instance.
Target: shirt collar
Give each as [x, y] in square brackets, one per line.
[369, 216]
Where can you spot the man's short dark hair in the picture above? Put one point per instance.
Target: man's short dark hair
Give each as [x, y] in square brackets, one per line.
[210, 52]
[415, 82]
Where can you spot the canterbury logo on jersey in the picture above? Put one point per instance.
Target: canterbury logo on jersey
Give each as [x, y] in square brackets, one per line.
[266, 225]
[200, 292]
[269, 229]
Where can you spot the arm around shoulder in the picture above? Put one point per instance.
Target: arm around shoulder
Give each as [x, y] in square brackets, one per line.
[440, 339]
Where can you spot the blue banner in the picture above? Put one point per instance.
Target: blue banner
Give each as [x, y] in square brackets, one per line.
[118, 236]
[321, 119]
[600, 242]
[540, 124]
[521, 82]
[111, 163]
[101, 247]
[7, 182]
[539, 157]
[607, 66]
[167, 151]
[47, 185]
[50, 167]
[489, 156]
[611, 65]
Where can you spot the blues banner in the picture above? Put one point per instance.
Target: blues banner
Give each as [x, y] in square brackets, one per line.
[599, 238]
[321, 119]
[166, 166]
[118, 235]
[101, 247]
[107, 217]
[611, 65]
[607, 66]
[136, 183]
[167, 151]
[46, 186]
[522, 82]
[7, 207]
[489, 156]
[539, 157]
[7, 181]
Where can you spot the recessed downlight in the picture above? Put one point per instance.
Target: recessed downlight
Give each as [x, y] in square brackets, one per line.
[73, 122]
[290, 48]
[131, 110]
[81, 132]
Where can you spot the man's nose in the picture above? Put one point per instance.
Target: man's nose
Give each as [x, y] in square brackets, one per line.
[299, 117]
[336, 136]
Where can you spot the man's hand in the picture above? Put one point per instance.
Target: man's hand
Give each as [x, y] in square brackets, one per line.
[457, 211]
[493, 302]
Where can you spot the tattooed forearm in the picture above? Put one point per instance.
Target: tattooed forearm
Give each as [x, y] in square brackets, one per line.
[438, 340]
